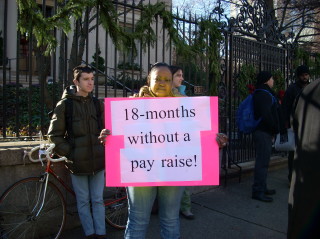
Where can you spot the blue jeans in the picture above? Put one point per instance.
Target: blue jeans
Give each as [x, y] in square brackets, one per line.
[140, 204]
[89, 194]
[263, 143]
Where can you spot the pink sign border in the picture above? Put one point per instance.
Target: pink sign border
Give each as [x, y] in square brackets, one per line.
[209, 147]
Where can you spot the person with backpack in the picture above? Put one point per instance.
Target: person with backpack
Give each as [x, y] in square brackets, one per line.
[289, 100]
[74, 129]
[266, 108]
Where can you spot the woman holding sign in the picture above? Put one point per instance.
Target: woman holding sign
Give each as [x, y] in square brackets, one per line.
[141, 199]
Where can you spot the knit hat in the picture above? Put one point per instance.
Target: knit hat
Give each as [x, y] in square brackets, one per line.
[302, 69]
[263, 77]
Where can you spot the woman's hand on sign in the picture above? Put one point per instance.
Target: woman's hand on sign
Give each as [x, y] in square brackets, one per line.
[103, 135]
[222, 140]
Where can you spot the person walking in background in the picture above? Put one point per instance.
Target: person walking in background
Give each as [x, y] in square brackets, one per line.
[178, 88]
[266, 107]
[294, 89]
[83, 148]
[304, 195]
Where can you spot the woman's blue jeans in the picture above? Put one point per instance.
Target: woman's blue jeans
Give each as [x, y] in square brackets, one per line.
[140, 205]
[89, 193]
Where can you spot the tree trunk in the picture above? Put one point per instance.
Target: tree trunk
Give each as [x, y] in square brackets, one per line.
[43, 69]
[78, 44]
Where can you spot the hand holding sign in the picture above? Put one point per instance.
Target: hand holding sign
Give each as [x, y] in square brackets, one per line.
[103, 135]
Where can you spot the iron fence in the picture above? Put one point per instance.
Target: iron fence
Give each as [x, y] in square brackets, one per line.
[32, 83]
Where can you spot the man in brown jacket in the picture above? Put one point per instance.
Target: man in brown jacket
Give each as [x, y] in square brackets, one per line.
[83, 148]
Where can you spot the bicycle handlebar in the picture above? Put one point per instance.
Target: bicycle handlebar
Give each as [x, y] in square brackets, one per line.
[47, 152]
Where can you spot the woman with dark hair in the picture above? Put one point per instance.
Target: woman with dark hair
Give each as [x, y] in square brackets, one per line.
[177, 73]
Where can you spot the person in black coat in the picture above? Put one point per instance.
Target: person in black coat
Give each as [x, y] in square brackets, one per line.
[304, 196]
[266, 106]
[293, 91]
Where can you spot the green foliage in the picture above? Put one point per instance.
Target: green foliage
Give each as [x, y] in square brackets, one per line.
[143, 28]
[305, 57]
[315, 71]
[301, 56]
[22, 95]
[213, 51]
[193, 74]
[109, 20]
[31, 20]
[279, 81]
[247, 77]
[96, 56]
[204, 48]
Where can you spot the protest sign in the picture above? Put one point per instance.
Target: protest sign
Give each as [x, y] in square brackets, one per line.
[167, 141]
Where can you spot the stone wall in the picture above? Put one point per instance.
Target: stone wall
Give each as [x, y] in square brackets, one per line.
[14, 168]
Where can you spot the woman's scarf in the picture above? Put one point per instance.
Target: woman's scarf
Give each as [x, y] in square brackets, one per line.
[145, 91]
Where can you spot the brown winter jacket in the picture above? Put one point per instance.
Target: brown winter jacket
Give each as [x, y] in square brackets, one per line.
[84, 148]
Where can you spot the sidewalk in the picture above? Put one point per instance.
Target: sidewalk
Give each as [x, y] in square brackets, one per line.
[227, 213]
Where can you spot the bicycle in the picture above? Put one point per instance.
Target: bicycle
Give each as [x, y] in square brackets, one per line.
[34, 207]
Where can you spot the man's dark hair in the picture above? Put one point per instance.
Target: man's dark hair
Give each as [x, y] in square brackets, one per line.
[78, 70]
[302, 70]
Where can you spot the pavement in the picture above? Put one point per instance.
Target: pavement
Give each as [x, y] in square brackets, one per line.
[226, 212]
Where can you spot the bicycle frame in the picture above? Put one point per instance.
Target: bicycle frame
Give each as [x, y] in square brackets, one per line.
[45, 178]
[50, 171]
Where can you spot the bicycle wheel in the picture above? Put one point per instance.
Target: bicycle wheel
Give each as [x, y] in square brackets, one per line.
[117, 208]
[18, 211]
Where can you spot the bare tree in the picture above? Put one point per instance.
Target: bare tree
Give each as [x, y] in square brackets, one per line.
[294, 22]
[310, 4]
[299, 21]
